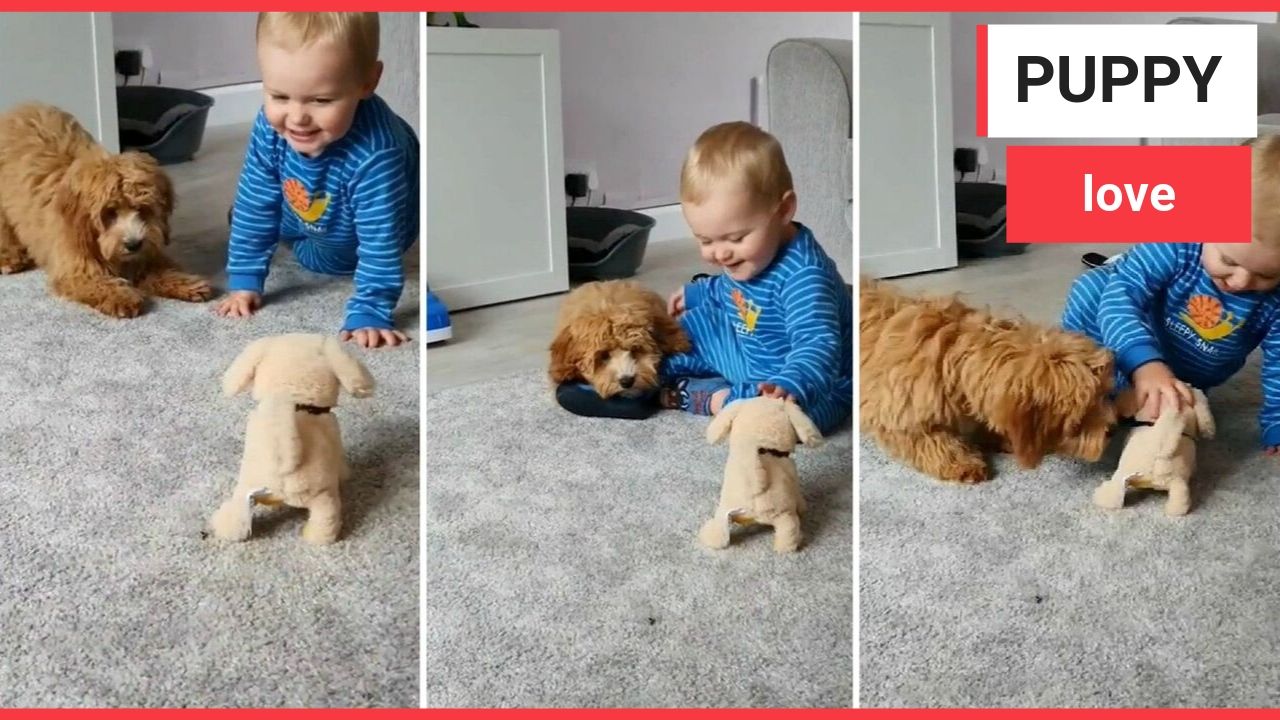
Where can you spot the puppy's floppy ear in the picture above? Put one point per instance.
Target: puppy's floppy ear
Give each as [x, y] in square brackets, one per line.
[669, 334]
[145, 183]
[240, 373]
[82, 198]
[353, 376]
[1022, 427]
[564, 365]
[805, 429]
[722, 422]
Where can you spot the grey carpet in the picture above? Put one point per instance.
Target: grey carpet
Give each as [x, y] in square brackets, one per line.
[562, 568]
[1020, 592]
[117, 447]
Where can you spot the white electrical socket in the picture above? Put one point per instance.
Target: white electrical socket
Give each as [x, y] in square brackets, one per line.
[983, 157]
[593, 179]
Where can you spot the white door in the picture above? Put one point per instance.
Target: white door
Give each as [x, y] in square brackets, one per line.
[495, 166]
[64, 59]
[906, 183]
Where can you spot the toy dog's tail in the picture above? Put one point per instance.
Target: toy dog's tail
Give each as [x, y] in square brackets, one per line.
[287, 446]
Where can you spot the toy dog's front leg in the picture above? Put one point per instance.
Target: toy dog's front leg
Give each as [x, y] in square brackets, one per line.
[786, 533]
[1179, 501]
[325, 519]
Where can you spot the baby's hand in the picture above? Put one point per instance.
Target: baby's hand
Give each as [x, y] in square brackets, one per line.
[1157, 387]
[374, 337]
[1272, 451]
[773, 391]
[240, 303]
[675, 303]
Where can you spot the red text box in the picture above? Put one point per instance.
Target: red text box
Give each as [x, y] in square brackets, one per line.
[1087, 194]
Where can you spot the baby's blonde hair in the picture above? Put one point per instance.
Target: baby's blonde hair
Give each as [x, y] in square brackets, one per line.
[1266, 190]
[356, 31]
[738, 152]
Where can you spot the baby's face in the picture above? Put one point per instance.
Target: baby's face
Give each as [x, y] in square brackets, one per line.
[736, 235]
[311, 93]
[1242, 267]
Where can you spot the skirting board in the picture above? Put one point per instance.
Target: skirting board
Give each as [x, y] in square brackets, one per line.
[234, 104]
[671, 224]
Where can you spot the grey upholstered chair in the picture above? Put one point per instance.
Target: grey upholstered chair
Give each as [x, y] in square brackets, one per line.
[810, 93]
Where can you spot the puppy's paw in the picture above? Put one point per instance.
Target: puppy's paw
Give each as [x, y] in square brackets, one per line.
[121, 301]
[179, 286]
[967, 472]
[12, 264]
[195, 289]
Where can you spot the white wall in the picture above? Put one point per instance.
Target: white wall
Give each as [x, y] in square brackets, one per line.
[62, 59]
[964, 74]
[205, 50]
[638, 88]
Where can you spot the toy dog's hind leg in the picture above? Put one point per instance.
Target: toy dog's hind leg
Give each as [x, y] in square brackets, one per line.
[715, 532]
[1110, 494]
[786, 533]
[325, 519]
[1179, 501]
[234, 520]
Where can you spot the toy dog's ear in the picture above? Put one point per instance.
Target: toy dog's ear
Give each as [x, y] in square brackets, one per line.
[563, 366]
[722, 422]
[805, 429]
[350, 372]
[1205, 426]
[240, 374]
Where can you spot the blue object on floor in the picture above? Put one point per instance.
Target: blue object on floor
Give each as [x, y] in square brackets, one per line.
[439, 328]
[582, 399]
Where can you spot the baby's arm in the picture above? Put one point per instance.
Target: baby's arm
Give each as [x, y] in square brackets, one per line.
[813, 329]
[1269, 415]
[381, 205]
[1124, 309]
[255, 224]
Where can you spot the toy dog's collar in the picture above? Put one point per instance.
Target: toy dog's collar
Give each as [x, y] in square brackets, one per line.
[313, 409]
[771, 451]
[1134, 422]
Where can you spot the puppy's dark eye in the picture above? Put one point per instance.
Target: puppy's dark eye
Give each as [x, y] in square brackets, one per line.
[108, 217]
[602, 357]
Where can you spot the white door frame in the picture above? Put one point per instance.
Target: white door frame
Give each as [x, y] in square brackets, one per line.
[941, 252]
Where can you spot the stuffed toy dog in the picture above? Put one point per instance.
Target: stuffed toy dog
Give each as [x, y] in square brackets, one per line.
[761, 486]
[1160, 456]
[293, 452]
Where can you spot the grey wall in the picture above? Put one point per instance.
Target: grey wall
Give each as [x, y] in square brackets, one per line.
[192, 50]
[204, 50]
[637, 88]
[964, 75]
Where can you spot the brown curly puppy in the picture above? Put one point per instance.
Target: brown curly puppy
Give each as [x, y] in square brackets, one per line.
[94, 221]
[940, 380]
[613, 334]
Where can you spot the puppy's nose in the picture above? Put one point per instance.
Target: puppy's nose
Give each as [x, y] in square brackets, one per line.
[626, 381]
[132, 244]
